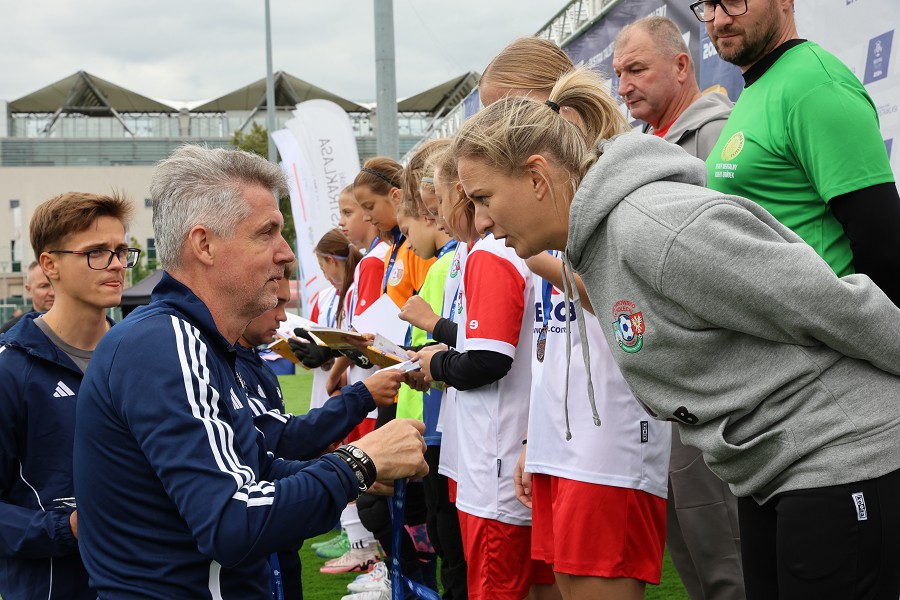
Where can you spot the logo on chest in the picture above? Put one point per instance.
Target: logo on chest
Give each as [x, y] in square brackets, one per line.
[396, 273]
[628, 326]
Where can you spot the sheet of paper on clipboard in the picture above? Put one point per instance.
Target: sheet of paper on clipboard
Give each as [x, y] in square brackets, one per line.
[383, 316]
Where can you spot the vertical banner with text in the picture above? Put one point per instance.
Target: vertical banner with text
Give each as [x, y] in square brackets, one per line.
[319, 154]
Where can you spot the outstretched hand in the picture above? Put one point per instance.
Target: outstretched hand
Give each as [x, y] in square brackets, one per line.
[310, 354]
[397, 448]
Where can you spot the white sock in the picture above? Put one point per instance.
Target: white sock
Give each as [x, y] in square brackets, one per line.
[359, 536]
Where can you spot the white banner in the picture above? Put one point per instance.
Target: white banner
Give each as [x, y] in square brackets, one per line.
[320, 158]
[294, 165]
[861, 33]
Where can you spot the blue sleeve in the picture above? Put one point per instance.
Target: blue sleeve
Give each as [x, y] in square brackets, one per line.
[307, 436]
[200, 442]
[26, 530]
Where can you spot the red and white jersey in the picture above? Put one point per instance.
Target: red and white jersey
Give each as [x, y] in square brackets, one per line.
[324, 312]
[447, 418]
[629, 449]
[495, 314]
[366, 289]
[367, 279]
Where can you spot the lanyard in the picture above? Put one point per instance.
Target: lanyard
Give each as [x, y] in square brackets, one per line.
[546, 300]
[399, 238]
[276, 585]
[451, 245]
[373, 244]
[331, 316]
[399, 581]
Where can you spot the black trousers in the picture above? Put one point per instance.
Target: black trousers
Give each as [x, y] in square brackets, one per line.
[443, 529]
[834, 543]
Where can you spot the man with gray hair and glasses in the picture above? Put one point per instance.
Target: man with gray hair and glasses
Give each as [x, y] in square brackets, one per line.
[177, 495]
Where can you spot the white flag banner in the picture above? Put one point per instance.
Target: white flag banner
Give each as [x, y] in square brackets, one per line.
[295, 164]
[325, 134]
[318, 150]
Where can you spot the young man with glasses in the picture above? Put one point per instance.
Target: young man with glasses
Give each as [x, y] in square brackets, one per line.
[80, 243]
[803, 141]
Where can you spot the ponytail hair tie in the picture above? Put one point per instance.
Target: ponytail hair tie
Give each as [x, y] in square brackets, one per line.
[553, 106]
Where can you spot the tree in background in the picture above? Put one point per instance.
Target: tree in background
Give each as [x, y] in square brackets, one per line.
[146, 264]
[257, 141]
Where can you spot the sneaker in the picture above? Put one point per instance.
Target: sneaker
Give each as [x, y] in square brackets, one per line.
[330, 540]
[337, 546]
[370, 582]
[354, 560]
[382, 594]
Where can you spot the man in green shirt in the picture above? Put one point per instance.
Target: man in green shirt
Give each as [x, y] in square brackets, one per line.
[803, 141]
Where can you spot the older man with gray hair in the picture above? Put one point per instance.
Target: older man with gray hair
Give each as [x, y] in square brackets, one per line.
[658, 84]
[177, 495]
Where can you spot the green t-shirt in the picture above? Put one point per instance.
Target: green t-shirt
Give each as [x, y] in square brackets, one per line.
[804, 132]
[409, 401]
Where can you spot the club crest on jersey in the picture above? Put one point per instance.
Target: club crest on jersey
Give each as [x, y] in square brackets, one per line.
[455, 267]
[628, 326]
[396, 273]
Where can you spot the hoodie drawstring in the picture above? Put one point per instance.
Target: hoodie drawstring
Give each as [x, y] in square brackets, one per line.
[567, 273]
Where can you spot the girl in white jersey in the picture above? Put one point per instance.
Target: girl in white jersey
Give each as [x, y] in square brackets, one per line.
[598, 495]
[491, 370]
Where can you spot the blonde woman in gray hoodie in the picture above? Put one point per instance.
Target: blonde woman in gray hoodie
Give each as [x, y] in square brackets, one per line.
[785, 376]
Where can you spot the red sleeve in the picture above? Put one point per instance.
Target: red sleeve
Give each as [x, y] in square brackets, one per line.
[314, 313]
[368, 288]
[495, 299]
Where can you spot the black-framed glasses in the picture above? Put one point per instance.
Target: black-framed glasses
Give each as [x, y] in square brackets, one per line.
[100, 258]
[706, 11]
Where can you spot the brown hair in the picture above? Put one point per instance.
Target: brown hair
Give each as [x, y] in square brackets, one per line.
[527, 64]
[380, 174]
[444, 164]
[73, 212]
[506, 133]
[336, 246]
[411, 198]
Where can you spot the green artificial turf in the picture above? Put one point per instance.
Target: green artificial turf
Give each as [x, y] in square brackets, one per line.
[320, 586]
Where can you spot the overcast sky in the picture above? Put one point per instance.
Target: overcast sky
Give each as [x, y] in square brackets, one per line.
[201, 49]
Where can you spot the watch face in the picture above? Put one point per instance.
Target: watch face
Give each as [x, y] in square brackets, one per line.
[357, 453]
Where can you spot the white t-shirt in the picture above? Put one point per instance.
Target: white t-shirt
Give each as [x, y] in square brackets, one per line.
[374, 270]
[498, 297]
[447, 418]
[629, 449]
[324, 312]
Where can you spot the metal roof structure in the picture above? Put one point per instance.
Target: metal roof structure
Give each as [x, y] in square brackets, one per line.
[441, 98]
[289, 91]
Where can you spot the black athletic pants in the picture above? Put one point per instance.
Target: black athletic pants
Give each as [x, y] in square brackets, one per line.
[834, 543]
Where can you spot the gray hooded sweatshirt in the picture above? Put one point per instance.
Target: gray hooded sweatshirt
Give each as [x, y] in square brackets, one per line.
[785, 376]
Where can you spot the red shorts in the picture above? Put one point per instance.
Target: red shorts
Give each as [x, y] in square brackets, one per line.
[591, 530]
[499, 561]
[366, 427]
[451, 490]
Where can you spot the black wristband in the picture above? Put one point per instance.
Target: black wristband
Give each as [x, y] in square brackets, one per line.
[359, 462]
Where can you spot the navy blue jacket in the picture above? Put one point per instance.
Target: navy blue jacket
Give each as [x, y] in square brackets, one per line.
[303, 436]
[177, 495]
[38, 383]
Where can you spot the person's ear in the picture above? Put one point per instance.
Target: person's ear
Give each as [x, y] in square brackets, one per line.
[49, 265]
[202, 245]
[682, 67]
[395, 195]
[537, 169]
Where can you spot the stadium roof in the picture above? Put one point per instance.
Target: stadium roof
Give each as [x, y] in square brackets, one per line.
[289, 91]
[441, 98]
[86, 94]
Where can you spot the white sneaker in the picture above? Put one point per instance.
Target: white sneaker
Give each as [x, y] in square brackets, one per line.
[355, 559]
[383, 594]
[371, 582]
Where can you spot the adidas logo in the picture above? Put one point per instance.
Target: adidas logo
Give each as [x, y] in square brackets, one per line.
[62, 390]
[235, 401]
